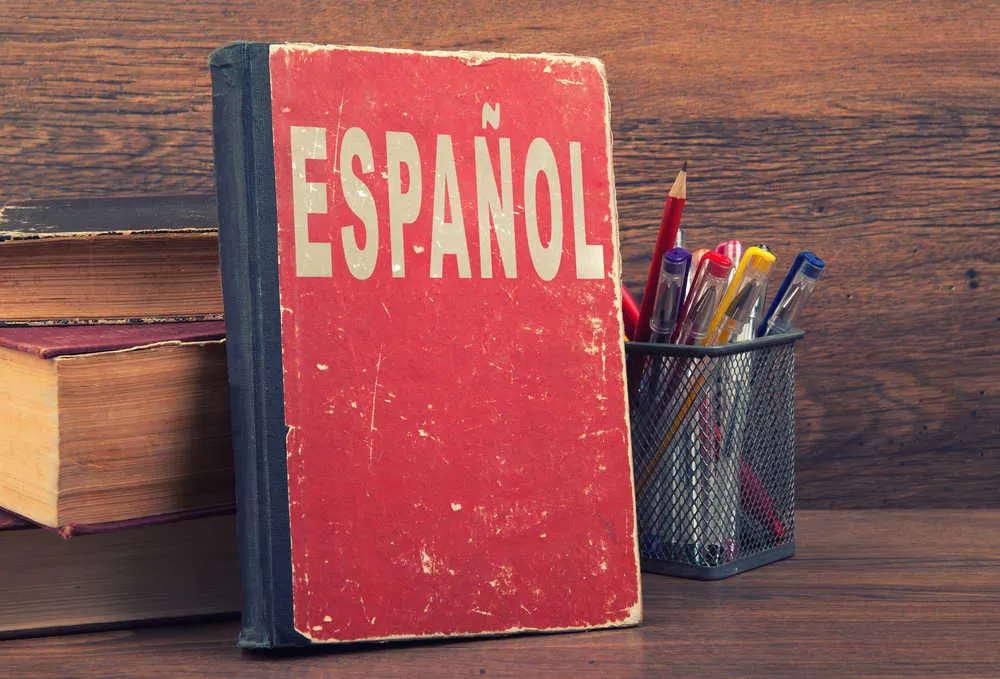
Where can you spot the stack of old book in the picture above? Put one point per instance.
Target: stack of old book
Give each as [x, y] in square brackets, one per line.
[116, 481]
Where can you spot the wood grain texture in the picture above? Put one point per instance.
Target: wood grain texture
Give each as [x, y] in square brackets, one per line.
[870, 594]
[864, 131]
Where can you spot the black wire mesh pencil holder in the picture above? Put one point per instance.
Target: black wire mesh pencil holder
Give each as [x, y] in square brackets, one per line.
[713, 446]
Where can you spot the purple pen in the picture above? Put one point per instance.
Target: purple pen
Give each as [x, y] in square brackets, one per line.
[669, 301]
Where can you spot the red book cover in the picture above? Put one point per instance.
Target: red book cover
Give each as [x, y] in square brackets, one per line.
[443, 271]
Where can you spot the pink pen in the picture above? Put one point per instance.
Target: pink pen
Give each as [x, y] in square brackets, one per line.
[733, 249]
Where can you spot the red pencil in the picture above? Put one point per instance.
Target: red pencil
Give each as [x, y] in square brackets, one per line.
[665, 241]
[630, 312]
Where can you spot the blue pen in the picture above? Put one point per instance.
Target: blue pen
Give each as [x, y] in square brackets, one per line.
[792, 295]
[669, 299]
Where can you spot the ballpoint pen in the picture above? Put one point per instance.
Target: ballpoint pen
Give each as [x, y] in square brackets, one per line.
[745, 289]
[706, 291]
[724, 414]
[793, 294]
[749, 330]
[736, 313]
[733, 249]
[669, 295]
[696, 256]
[706, 481]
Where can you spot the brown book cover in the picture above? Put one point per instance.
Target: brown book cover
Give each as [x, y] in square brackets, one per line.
[121, 259]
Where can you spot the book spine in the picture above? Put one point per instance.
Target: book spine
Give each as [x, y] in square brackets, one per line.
[245, 185]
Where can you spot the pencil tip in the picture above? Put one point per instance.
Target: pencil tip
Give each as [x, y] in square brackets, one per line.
[684, 167]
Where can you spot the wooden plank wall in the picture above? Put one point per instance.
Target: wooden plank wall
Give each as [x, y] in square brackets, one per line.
[865, 131]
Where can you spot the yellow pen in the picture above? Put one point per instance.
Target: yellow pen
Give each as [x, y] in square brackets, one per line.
[746, 288]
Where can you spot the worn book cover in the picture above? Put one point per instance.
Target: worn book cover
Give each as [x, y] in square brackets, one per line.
[109, 260]
[421, 282]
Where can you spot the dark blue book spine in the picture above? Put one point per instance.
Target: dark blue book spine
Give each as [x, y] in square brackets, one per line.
[244, 161]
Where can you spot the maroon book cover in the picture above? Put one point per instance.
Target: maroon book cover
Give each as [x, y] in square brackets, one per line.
[65, 340]
[10, 521]
[446, 271]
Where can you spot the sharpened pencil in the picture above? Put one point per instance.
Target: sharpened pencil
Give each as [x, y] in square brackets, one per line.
[665, 241]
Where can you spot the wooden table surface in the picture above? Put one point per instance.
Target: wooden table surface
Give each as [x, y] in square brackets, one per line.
[877, 593]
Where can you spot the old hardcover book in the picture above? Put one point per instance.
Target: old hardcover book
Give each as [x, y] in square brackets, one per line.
[109, 260]
[115, 422]
[110, 576]
[420, 275]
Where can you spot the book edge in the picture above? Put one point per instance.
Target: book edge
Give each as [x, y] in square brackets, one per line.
[244, 151]
[7, 235]
[123, 214]
[471, 57]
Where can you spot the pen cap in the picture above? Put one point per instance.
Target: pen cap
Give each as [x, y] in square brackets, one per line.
[675, 262]
[716, 265]
[756, 263]
[793, 293]
[733, 249]
[749, 330]
[812, 266]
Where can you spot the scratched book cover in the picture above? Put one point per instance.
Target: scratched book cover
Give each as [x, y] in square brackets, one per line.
[457, 449]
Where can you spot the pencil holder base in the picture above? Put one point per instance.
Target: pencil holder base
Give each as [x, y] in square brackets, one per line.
[683, 570]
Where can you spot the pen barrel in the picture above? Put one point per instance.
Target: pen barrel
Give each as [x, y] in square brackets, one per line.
[669, 294]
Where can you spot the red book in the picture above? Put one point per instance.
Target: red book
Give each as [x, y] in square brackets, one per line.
[420, 270]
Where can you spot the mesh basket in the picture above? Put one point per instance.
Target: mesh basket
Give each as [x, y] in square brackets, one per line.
[713, 445]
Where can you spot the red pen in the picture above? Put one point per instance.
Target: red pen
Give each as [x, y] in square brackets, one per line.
[630, 312]
[665, 241]
[698, 303]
